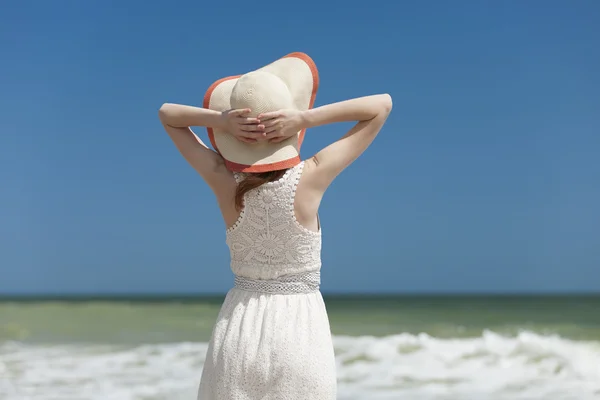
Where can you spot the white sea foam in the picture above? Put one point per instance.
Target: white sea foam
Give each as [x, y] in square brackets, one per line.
[526, 367]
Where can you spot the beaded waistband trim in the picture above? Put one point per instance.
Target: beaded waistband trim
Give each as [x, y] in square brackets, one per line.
[307, 282]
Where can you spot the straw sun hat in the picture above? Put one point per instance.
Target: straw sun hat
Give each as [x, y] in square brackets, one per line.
[290, 82]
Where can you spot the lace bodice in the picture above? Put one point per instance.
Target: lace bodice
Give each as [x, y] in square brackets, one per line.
[267, 241]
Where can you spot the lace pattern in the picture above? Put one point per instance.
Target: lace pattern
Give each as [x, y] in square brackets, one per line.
[267, 241]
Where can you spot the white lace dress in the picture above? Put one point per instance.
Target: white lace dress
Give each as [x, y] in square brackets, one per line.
[272, 339]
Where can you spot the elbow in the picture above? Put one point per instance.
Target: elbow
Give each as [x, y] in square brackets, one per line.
[168, 112]
[386, 103]
[163, 111]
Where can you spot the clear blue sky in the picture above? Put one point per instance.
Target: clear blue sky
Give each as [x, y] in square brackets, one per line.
[485, 178]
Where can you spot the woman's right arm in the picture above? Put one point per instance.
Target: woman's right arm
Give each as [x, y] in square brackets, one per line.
[177, 120]
[371, 113]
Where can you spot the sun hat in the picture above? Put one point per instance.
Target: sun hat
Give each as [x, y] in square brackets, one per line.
[289, 82]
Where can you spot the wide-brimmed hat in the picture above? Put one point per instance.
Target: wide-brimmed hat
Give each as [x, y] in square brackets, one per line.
[290, 82]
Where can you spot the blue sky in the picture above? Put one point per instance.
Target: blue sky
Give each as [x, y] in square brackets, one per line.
[486, 177]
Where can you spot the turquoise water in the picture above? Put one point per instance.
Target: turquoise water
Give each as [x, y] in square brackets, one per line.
[387, 347]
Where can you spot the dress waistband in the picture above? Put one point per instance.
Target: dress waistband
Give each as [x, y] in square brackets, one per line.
[306, 282]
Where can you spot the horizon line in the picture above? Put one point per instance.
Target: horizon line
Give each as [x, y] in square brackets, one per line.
[116, 296]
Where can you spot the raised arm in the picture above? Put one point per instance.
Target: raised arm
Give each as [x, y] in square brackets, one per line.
[177, 120]
[370, 112]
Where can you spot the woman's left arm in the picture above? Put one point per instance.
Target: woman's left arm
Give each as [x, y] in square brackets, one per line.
[177, 119]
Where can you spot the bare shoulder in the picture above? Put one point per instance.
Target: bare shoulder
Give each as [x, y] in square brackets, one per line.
[222, 180]
[206, 162]
[224, 187]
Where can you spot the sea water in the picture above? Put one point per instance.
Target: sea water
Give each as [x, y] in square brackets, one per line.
[426, 348]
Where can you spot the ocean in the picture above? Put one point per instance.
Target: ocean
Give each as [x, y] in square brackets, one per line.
[387, 347]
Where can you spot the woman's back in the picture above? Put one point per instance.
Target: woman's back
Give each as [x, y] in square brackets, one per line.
[267, 241]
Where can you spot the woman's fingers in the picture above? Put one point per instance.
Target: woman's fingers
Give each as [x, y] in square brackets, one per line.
[272, 132]
[252, 128]
[252, 137]
[269, 115]
[260, 137]
[247, 121]
[270, 123]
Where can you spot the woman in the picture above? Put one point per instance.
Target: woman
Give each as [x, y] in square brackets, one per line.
[272, 338]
